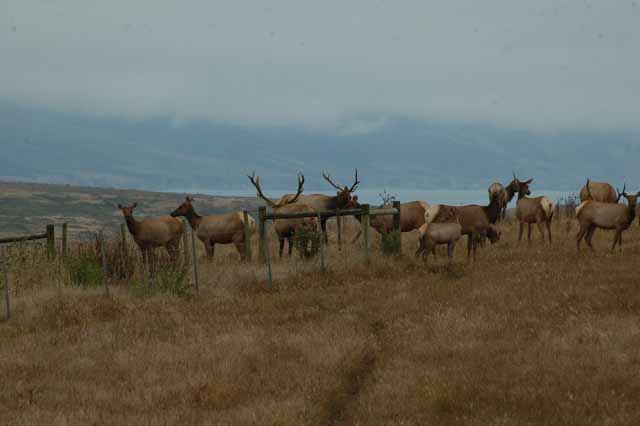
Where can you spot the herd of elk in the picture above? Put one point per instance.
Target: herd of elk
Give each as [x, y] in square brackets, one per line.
[436, 224]
[216, 229]
[286, 229]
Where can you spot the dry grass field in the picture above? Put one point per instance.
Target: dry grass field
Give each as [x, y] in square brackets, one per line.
[528, 335]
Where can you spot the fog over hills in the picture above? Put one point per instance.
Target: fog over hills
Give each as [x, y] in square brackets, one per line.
[160, 154]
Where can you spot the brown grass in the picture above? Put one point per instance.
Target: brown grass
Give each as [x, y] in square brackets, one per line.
[529, 335]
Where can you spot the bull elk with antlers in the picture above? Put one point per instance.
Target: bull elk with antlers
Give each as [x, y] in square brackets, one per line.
[322, 202]
[596, 214]
[538, 210]
[216, 229]
[287, 228]
[148, 234]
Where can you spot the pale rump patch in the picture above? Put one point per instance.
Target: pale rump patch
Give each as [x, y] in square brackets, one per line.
[424, 205]
[547, 205]
[431, 213]
[252, 221]
[581, 206]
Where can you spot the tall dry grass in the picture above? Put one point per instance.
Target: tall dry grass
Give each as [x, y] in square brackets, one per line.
[530, 334]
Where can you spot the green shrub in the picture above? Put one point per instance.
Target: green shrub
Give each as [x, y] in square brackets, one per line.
[391, 243]
[84, 269]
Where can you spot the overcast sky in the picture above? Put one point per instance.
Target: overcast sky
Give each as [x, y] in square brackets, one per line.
[349, 66]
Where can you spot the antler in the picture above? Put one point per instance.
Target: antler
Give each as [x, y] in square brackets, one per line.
[300, 189]
[624, 192]
[328, 179]
[355, 183]
[256, 182]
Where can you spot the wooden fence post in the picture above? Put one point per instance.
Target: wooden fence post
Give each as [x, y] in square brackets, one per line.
[397, 226]
[339, 223]
[64, 239]
[365, 230]
[262, 234]
[195, 260]
[247, 236]
[51, 240]
[322, 265]
[5, 270]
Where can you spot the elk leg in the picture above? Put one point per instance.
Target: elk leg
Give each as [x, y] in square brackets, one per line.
[529, 233]
[323, 225]
[541, 229]
[615, 240]
[450, 247]
[469, 244]
[281, 246]
[549, 230]
[581, 234]
[290, 239]
[590, 231]
[208, 248]
[520, 231]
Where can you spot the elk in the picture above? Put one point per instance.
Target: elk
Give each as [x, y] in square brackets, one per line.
[321, 202]
[287, 228]
[433, 234]
[599, 191]
[596, 214]
[538, 210]
[216, 229]
[474, 221]
[504, 194]
[148, 234]
[411, 217]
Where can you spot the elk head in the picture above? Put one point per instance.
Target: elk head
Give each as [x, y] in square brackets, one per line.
[127, 211]
[620, 194]
[521, 187]
[344, 194]
[631, 199]
[184, 209]
[255, 181]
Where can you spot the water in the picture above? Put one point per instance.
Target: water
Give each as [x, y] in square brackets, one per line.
[371, 195]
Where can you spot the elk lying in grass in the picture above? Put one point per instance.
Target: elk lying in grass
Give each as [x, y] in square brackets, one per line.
[148, 234]
[216, 229]
[321, 202]
[286, 229]
[433, 234]
[599, 191]
[595, 214]
[474, 221]
[538, 210]
[504, 194]
[411, 217]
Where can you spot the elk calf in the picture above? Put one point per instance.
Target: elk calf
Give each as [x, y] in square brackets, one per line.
[594, 214]
[433, 234]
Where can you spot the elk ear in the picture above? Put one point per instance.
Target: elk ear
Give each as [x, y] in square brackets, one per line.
[528, 181]
[120, 206]
[134, 205]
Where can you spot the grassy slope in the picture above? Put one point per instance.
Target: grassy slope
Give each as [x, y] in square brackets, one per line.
[530, 335]
[27, 208]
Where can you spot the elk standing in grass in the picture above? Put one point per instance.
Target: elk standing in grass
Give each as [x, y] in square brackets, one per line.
[216, 229]
[321, 202]
[286, 228]
[474, 221]
[595, 214]
[148, 234]
[433, 234]
[538, 210]
[505, 195]
[411, 217]
[599, 191]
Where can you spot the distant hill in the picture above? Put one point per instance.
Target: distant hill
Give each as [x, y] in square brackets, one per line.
[159, 155]
[27, 208]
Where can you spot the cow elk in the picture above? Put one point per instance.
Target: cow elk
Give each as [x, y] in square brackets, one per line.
[595, 214]
[286, 229]
[433, 234]
[322, 202]
[148, 234]
[474, 221]
[599, 191]
[504, 194]
[411, 217]
[538, 210]
[216, 229]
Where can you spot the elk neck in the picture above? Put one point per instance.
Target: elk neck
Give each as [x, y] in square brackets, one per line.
[631, 212]
[132, 224]
[492, 210]
[193, 218]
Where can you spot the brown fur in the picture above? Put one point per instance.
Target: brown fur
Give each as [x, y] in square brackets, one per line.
[216, 229]
[538, 210]
[433, 234]
[148, 234]
[598, 191]
[411, 217]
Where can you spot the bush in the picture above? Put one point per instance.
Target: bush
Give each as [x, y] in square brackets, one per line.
[391, 243]
[84, 269]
